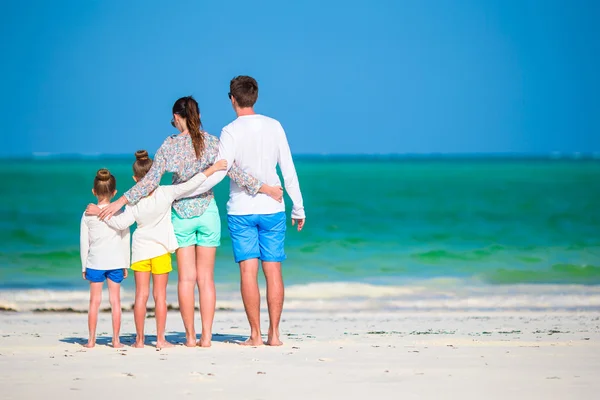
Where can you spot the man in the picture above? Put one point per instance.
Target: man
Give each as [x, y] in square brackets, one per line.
[257, 224]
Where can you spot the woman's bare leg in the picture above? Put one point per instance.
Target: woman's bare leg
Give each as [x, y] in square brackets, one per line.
[114, 296]
[142, 291]
[95, 300]
[159, 290]
[205, 270]
[186, 266]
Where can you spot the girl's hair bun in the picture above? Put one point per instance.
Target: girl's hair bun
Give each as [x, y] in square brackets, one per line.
[103, 175]
[141, 155]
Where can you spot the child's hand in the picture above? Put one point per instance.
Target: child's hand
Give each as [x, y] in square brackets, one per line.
[92, 209]
[83, 276]
[220, 165]
[125, 273]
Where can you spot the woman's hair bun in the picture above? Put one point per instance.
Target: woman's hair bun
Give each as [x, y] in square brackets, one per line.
[103, 175]
[141, 155]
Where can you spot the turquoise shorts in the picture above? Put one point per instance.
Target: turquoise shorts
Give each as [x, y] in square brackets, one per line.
[204, 230]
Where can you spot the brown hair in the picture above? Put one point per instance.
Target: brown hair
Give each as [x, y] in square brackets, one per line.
[245, 90]
[105, 183]
[142, 164]
[187, 107]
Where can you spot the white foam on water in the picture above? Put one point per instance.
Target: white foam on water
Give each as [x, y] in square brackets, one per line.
[352, 296]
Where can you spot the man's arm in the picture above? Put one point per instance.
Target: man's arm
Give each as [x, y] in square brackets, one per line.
[290, 178]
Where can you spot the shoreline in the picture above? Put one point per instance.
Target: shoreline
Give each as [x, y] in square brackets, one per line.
[332, 297]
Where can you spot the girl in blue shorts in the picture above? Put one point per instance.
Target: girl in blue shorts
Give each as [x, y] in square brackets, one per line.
[104, 257]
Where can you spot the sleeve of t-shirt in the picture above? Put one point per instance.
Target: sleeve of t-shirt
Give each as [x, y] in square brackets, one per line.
[185, 189]
[122, 220]
[290, 178]
[84, 242]
[126, 244]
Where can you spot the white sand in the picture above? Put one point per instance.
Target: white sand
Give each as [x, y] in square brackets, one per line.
[475, 355]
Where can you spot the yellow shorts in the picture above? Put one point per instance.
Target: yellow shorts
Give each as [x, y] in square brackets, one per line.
[157, 265]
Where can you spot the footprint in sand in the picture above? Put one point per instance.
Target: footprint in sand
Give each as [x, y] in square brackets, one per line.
[325, 359]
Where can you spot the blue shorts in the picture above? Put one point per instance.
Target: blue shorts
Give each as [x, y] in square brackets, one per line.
[257, 236]
[97, 275]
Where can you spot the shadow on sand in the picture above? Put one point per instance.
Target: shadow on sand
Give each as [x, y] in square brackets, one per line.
[177, 338]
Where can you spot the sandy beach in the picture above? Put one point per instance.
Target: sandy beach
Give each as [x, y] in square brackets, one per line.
[408, 355]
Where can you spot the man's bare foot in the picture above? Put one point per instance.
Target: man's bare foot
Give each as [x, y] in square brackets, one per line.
[273, 342]
[163, 344]
[273, 337]
[139, 344]
[117, 345]
[252, 342]
[89, 344]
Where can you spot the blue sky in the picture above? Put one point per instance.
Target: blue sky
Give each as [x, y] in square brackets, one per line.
[342, 76]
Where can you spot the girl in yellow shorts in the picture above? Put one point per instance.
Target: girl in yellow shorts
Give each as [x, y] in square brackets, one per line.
[153, 242]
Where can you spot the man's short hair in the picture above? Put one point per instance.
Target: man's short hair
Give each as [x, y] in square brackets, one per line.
[245, 90]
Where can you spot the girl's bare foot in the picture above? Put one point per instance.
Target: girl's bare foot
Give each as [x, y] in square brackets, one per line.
[117, 344]
[89, 344]
[138, 344]
[163, 344]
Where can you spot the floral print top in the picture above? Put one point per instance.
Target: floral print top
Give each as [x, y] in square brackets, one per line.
[177, 155]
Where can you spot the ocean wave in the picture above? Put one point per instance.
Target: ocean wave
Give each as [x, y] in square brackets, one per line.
[558, 273]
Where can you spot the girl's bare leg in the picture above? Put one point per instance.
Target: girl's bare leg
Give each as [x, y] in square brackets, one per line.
[159, 291]
[142, 291]
[205, 271]
[186, 266]
[114, 296]
[95, 300]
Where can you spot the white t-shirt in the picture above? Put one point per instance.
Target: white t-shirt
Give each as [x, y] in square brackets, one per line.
[257, 144]
[154, 234]
[102, 247]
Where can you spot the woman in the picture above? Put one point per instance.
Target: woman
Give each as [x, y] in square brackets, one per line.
[196, 220]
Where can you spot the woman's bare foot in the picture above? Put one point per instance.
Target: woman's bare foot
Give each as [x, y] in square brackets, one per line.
[89, 344]
[252, 342]
[139, 344]
[190, 341]
[117, 344]
[163, 344]
[205, 340]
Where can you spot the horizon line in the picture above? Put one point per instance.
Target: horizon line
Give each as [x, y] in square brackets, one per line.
[594, 155]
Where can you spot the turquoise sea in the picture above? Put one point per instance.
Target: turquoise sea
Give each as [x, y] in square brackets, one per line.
[389, 230]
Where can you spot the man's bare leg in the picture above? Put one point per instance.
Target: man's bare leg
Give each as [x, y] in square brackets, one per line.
[95, 300]
[142, 290]
[251, 297]
[114, 297]
[186, 266]
[159, 291]
[205, 270]
[275, 296]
